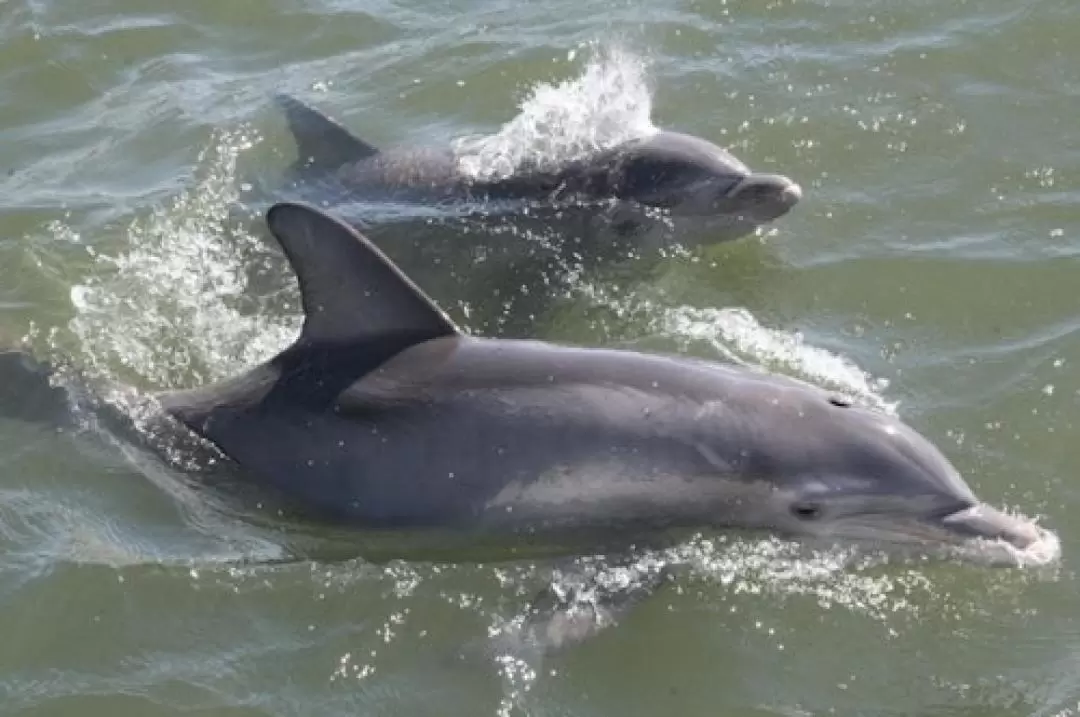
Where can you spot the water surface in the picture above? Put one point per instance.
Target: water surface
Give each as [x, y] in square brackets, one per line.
[931, 269]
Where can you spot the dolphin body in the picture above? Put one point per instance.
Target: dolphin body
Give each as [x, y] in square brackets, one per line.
[501, 246]
[386, 420]
[383, 415]
[676, 173]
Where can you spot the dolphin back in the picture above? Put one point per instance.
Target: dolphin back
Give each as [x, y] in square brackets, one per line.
[359, 309]
[321, 143]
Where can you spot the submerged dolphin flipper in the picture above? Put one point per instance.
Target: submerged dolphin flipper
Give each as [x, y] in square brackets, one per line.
[581, 600]
[321, 143]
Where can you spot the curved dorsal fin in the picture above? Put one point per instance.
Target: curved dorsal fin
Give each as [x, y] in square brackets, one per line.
[321, 142]
[352, 293]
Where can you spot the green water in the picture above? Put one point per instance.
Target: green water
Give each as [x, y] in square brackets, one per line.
[932, 264]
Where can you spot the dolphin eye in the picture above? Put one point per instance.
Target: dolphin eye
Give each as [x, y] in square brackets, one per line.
[840, 401]
[806, 510]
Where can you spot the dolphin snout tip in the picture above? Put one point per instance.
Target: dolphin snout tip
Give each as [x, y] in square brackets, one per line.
[791, 194]
[983, 521]
[766, 196]
[785, 192]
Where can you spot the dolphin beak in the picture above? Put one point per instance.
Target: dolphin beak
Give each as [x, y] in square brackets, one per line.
[982, 521]
[791, 194]
[765, 196]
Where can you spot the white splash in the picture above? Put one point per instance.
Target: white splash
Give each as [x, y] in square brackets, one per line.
[173, 305]
[1042, 553]
[737, 334]
[609, 103]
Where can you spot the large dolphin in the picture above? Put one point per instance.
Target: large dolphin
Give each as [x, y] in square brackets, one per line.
[501, 247]
[383, 415]
[385, 418]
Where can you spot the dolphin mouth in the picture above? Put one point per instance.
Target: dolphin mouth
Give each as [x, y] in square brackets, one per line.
[764, 197]
[983, 521]
[967, 524]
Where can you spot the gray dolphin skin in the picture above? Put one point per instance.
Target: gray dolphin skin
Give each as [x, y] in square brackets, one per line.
[424, 443]
[682, 175]
[383, 416]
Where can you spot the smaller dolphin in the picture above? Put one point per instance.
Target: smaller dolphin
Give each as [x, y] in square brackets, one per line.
[680, 174]
[499, 252]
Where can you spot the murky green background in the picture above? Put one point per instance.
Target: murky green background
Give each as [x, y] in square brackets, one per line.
[933, 263]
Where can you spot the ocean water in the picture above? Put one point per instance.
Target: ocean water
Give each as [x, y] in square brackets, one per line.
[931, 270]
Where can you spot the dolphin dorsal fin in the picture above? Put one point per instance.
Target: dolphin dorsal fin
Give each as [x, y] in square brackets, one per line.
[320, 141]
[352, 293]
